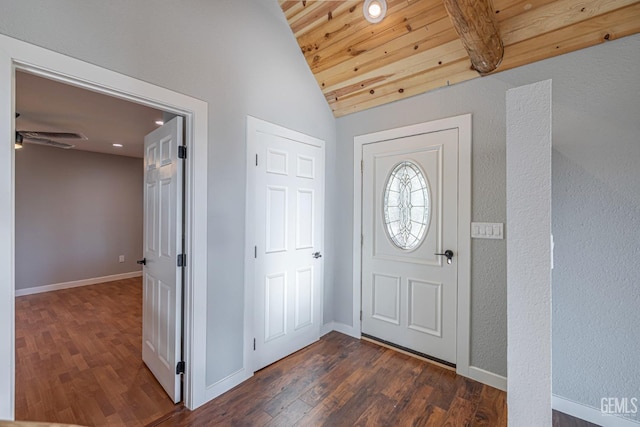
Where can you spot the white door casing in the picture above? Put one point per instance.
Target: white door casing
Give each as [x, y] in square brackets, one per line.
[288, 201]
[463, 256]
[7, 235]
[409, 294]
[162, 237]
[16, 54]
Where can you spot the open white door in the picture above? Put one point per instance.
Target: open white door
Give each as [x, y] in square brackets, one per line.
[162, 278]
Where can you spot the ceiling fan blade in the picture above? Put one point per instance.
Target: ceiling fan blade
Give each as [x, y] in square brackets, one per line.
[48, 142]
[61, 135]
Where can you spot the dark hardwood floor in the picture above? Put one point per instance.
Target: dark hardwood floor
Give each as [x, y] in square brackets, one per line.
[78, 358]
[341, 381]
[78, 361]
[563, 420]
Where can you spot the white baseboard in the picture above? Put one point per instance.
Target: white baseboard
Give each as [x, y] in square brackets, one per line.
[488, 378]
[340, 327]
[76, 283]
[216, 389]
[588, 413]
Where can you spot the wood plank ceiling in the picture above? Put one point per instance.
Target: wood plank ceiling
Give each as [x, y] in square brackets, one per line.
[416, 47]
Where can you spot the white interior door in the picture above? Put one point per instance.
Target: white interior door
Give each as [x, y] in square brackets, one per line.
[410, 214]
[162, 278]
[289, 220]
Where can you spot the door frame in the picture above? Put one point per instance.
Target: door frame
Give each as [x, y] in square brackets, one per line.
[255, 125]
[18, 55]
[463, 124]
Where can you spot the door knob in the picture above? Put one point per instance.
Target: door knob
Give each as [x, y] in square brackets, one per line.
[316, 255]
[142, 261]
[449, 254]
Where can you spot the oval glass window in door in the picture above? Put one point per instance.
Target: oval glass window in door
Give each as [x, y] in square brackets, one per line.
[406, 205]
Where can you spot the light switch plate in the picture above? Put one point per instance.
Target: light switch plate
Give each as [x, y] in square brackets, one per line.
[487, 230]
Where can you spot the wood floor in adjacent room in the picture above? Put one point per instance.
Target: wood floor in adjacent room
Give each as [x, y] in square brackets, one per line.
[78, 361]
[78, 358]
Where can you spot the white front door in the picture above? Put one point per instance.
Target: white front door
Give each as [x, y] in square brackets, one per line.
[162, 278]
[410, 214]
[289, 220]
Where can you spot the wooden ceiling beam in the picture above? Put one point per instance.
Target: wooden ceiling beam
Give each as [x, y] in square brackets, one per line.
[475, 23]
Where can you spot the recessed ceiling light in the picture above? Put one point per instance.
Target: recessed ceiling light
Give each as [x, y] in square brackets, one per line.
[159, 122]
[117, 145]
[374, 10]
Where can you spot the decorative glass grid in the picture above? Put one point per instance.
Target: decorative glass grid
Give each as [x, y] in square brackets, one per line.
[406, 205]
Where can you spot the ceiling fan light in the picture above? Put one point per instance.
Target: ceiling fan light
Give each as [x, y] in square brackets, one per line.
[374, 10]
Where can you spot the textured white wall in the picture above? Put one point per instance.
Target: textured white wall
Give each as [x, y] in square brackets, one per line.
[529, 254]
[76, 212]
[596, 227]
[241, 58]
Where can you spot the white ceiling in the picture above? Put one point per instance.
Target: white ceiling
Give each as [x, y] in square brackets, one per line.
[47, 105]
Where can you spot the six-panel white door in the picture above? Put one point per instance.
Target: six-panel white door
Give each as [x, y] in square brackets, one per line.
[162, 279]
[409, 214]
[289, 200]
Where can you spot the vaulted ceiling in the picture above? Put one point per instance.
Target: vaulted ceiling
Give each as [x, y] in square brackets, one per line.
[421, 45]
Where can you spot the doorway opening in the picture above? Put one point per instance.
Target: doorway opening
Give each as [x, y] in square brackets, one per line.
[412, 216]
[80, 220]
[20, 56]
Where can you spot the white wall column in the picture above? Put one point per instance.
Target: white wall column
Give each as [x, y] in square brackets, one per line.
[529, 254]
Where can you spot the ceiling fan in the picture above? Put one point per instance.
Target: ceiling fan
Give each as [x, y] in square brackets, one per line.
[44, 138]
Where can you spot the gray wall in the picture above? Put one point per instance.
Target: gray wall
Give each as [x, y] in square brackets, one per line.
[485, 98]
[596, 202]
[76, 212]
[241, 58]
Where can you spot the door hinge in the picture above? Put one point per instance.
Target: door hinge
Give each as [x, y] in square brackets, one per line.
[182, 152]
[254, 344]
[361, 166]
[182, 260]
[362, 240]
[255, 252]
[256, 160]
[360, 315]
[180, 368]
